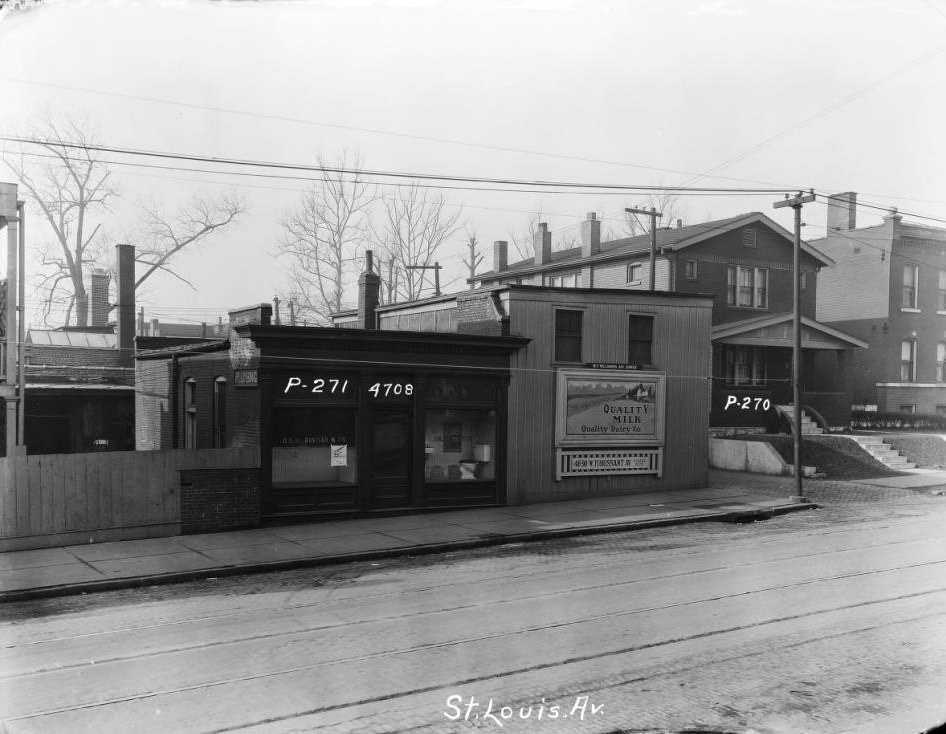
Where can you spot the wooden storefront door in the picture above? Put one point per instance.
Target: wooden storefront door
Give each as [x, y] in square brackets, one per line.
[389, 459]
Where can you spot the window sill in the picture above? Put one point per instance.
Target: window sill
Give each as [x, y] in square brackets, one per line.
[635, 282]
[909, 310]
[941, 313]
[747, 308]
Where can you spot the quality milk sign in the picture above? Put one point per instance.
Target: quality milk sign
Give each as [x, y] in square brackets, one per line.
[610, 408]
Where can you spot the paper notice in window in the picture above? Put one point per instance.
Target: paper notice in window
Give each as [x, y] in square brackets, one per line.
[339, 455]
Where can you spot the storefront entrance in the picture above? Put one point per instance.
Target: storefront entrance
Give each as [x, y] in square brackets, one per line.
[389, 458]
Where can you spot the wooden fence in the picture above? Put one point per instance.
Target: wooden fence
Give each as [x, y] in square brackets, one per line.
[58, 499]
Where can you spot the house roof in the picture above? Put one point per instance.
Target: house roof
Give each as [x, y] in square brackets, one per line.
[771, 330]
[675, 239]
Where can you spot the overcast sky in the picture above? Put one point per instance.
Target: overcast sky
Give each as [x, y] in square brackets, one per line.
[843, 95]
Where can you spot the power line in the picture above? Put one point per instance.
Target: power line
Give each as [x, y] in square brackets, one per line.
[244, 163]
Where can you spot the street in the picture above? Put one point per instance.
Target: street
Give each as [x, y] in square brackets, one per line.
[830, 620]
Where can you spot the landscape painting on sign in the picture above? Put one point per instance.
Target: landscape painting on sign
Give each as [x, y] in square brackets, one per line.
[611, 407]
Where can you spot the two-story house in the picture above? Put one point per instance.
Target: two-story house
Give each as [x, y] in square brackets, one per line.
[746, 263]
[888, 288]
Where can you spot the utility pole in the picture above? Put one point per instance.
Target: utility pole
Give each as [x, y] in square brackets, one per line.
[796, 203]
[10, 211]
[435, 267]
[654, 215]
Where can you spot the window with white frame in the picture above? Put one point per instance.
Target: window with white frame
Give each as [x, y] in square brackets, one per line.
[190, 413]
[634, 271]
[565, 280]
[908, 361]
[690, 270]
[747, 287]
[911, 274]
[941, 362]
[941, 293]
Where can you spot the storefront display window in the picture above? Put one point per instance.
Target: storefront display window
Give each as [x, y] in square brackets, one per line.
[314, 446]
[460, 445]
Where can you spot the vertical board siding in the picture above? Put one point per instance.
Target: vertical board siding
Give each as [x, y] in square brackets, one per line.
[681, 348]
[47, 494]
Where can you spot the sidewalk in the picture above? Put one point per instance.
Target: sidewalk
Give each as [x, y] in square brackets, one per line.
[88, 568]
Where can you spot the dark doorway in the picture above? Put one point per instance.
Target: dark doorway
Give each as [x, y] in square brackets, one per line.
[389, 460]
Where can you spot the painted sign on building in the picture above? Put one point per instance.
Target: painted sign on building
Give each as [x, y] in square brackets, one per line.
[610, 408]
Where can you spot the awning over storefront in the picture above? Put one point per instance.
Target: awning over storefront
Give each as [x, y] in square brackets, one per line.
[776, 331]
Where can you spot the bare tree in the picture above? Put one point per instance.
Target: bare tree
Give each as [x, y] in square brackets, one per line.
[475, 258]
[524, 243]
[166, 237]
[416, 226]
[667, 203]
[70, 184]
[324, 238]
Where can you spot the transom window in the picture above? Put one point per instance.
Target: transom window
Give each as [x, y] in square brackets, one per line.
[747, 287]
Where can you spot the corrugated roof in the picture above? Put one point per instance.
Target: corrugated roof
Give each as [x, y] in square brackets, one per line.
[57, 338]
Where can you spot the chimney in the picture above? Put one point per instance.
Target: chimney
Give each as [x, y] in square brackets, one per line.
[125, 256]
[590, 235]
[542, 244]
[140, 329]
[842, 212]
[155, 328]
[369, 292]
[679, 224]
[500, 255]
[98, 294]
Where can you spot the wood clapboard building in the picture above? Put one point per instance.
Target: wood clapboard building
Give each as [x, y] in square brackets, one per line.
[504, 395]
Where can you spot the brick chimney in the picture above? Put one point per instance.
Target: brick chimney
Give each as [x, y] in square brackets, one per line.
[500, 255]
[842, 212]
[125, 257]
[98, 295]
[590, 235]
[542, 244]
[369, 294]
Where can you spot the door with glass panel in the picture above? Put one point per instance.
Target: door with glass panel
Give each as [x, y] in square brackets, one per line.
[389, 460]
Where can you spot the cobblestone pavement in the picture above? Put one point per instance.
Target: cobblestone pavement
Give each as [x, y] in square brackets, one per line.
[828, 620]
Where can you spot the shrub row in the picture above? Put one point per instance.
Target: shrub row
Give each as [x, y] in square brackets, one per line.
[874, 421]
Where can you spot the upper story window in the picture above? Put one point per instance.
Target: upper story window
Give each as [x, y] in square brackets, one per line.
[640, 338]
[565, 280]
[749, 238]
[568, 335]
[190, 413]
[747, 287]
[908, 361]
[634, 271]
[941, 362]
[803, 280]
[690, 269]
[911, 274]
[941, 293]
[220, 413]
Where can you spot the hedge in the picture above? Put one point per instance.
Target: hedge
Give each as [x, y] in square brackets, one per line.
[874, 421]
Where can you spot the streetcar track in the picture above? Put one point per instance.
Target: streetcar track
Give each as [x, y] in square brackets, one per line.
[490, 579]
[466, 681]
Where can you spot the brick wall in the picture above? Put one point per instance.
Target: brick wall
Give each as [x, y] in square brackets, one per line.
[219, 499]
[204, 369]
[89, 356]
[478, 313]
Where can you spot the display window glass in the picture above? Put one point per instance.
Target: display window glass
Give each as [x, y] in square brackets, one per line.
[461, 389]
[314, 446]
[460, 445]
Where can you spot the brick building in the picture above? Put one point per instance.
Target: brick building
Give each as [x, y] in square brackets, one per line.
[746, 263]
[888, 288]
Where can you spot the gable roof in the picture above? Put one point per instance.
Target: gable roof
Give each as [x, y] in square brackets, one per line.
[761, 329]
[675, 239]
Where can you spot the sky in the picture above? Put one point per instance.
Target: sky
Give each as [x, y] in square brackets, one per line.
[837, 96]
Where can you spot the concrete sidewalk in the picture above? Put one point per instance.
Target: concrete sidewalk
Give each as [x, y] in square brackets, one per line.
[87, 568]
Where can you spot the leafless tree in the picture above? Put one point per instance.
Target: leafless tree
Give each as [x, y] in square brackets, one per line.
[416, 226]
[524, 243]
[165, 237]
[324, 238]
[70, 183]
[475, 257]
[669, 205]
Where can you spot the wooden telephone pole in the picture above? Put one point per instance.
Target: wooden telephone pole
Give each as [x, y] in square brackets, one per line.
[654, 215]
[436, 268]
[796, 203]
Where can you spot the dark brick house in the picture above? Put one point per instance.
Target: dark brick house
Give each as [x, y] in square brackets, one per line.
[746, 263]
[888, 288]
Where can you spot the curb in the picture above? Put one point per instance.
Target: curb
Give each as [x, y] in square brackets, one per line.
[484, 541]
